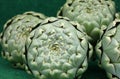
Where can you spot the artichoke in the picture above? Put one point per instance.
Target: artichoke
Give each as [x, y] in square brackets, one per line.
[108, 49]
[14, 35]
[57, 50]
[95, 15]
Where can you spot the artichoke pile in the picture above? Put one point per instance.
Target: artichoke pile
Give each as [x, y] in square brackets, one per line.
[60, 47]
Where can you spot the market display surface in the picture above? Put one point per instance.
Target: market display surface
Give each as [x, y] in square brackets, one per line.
[61, 47]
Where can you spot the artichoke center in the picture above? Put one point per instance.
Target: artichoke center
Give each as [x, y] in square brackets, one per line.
[88, 10]
[54, 47]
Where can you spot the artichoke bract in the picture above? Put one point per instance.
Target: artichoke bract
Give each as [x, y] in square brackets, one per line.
[95, 15]
[56, 50]
[108, 49]
[14, 35]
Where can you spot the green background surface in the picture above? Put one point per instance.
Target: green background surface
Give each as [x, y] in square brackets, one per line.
[10, 8]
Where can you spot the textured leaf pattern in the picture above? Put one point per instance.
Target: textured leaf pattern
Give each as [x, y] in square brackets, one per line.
[110, 53]
[16, 30]
[56, 51]
[95, 15]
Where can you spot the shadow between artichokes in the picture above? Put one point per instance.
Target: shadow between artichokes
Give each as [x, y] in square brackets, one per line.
[108, 49]
[57, 50]
[95, 15]
[14, 35]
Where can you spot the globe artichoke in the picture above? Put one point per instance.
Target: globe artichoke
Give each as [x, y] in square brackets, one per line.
[95, 15]
[108, 49]
[14, 35]
[57, 50]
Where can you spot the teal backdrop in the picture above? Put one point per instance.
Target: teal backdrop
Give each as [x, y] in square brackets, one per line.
[10, 8]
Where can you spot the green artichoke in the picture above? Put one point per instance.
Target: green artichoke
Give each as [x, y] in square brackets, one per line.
[56, 50]
[108, 49]
[95, 15]
[14, 35]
